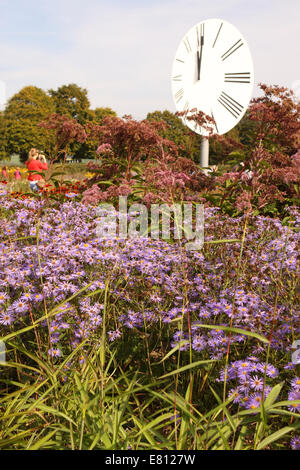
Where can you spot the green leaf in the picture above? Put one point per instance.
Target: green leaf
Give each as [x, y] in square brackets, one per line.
[45, 440]
[273, 395]
[187, 367]
[176, 348]
[238, 331]
[276, 435]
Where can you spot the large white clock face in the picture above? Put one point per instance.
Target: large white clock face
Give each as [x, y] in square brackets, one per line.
[213, 72]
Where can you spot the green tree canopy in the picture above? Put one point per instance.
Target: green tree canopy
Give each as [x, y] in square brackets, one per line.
[88, 149]
[3, 154]
[72, 100]
[178, 133]
[247, 130]
[189, 141]
[100, 113]
[24, 111]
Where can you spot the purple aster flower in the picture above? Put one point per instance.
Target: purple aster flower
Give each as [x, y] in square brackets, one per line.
[244, 369]
[37, 298]
[295, 443]
[176, 417]
[254, 402]
[19, 306]
[112, 335]
[256, 383]
[26, 296]
[54, 337]
[3, 297]
[54, 352]
[294, 396]
[272, 371]
[198, 343]
[236, 394]
[6, 318]
[81, 359]
[295, 384]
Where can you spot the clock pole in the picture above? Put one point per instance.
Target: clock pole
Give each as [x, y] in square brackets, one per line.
[204, 153]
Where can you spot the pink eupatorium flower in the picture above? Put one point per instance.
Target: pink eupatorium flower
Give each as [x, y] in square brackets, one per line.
[104, 148]
[92, 195]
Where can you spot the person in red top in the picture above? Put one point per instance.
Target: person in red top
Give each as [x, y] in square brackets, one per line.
[17, 174]
[34, 163]
[4, 173]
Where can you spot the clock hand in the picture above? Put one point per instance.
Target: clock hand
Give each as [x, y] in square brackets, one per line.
[199, 54]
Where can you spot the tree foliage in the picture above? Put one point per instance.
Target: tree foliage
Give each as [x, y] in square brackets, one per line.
[269, 180]
[63, 133]
[24, 111]
[129, 140]
[276, 115]
[189, 142]
[72, 101]
[3, 153]
[100, 113]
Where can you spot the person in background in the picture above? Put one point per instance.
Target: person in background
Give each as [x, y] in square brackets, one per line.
[4, 173]
[17, 174]
[34, 163]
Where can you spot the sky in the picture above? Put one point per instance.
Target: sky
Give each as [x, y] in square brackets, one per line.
[122, 51]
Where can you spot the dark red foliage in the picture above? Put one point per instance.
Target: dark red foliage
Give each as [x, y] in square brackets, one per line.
[127, 140]
[64, 132]
[277, 115]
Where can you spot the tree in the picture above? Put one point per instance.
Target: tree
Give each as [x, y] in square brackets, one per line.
[276, 115]
[247, 129]
[100, 113]
[88, 149]
[187, 141]
[3, 143]
[24, 111]
[72, 101]
[269, 181]
[63, 132]
[129, 141]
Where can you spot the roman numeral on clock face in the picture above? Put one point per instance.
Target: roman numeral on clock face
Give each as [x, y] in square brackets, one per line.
[231, 105]
[232, 49]
[177, 78]
[178, 95]
[218, 33]
[187, 45]
[242, 77]
[186, 106]
[212, 115]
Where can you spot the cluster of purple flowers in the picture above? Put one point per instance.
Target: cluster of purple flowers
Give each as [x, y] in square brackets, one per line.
[248, 376]
[50, 255]
[69, 256]
[294, 394]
